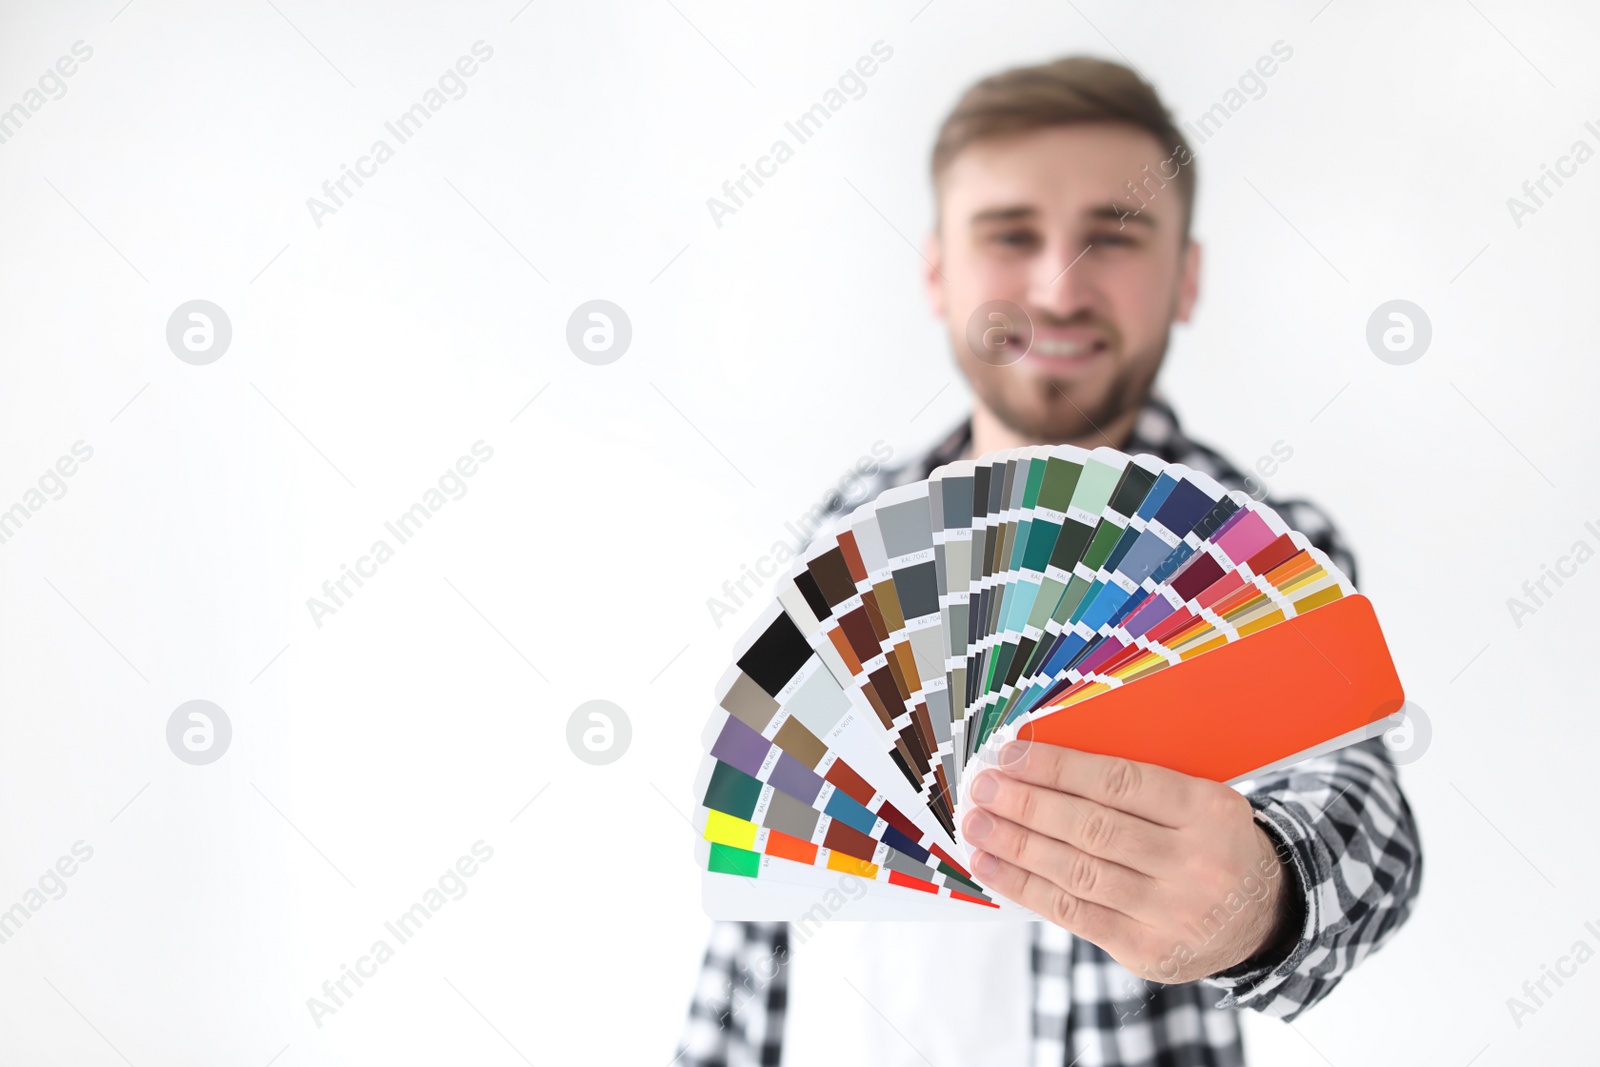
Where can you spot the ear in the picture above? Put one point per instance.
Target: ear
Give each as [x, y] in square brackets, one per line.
[1188, 282]
[932, 280]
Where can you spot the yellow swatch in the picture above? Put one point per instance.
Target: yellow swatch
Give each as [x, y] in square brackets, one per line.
[725, 829]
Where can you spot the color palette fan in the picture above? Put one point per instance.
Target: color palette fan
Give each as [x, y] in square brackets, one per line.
[1110, 603]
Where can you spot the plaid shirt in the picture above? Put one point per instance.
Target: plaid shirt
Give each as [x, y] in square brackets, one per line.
[1341, 823]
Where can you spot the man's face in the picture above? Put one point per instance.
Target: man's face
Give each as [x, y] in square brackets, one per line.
[1046, 221]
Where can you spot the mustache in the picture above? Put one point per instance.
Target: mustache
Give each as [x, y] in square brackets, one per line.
[1084, 321]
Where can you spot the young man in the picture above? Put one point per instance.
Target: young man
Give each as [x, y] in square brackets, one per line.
[1064, 197]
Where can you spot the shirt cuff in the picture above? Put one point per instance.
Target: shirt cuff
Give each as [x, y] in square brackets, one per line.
[1255, 977]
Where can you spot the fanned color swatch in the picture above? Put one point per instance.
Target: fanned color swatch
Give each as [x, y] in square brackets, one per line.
[1111, 603]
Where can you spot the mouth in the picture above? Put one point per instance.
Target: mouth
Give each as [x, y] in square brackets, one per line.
[1066, 351]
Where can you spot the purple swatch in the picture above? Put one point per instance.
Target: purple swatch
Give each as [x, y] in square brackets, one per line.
[741, 747]
[795, 778]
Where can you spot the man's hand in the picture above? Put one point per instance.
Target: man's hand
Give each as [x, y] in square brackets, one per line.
[1168, 873]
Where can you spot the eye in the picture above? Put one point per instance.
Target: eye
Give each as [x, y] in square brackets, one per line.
[1015, 238]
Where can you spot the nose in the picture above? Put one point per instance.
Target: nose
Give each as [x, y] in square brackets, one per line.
[1061, 281]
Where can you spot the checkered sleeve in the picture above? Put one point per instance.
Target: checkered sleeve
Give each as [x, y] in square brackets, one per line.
[736, 1012]
[1350, 842]
[1353, 851]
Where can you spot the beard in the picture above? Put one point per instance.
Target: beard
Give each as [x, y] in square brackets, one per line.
[1039, 407]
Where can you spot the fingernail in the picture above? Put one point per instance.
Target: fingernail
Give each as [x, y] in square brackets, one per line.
[1012, 756]
[984, 788]
[983, 864]
[978, 826]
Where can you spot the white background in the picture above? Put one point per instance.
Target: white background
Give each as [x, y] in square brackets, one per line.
[767, 357]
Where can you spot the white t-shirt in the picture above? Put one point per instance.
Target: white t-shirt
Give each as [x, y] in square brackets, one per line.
[888, 994]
